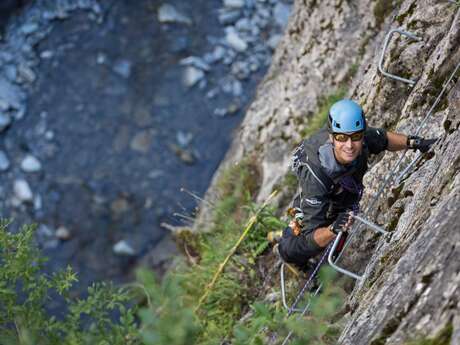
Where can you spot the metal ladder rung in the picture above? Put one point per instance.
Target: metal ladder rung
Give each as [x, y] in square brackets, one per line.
[372, 226]
[385, 46]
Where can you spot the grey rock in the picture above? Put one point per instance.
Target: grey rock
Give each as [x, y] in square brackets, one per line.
[235, 41]
[234, 3]
[184, 138]
[31, 164]
[163, 253]
[195, 62]
[218, 53]
[227, 85]
[265, 13]
[281, 14]
[44, 231]
[49, 135]
[5, 121]
[26, 74]
[29, 28]
[46, 54]
[229, 57]
[10, 96]
[6, 56]
[253, 62]
[123, 248]
[233, 107]
[237, 88]
[142, 141]
[241, 70]
[101, 58]
[212, 93]
[11, 72]
[221, 112]
[123, 68]
[119, 206]
[202, 84]
[273, 41]
[185, 155]
[45, 236]
[169, 14]
[4, 161]
[227, 17]
[244, 24]
[191, 76]
[22, 191]
[38, 202]
[155, 174]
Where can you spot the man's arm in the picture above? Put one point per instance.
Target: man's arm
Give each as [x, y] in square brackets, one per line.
[396, 141]
[324, 235]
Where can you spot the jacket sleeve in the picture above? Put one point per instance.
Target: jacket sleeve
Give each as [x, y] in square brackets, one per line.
[376, 140]
[314, 203]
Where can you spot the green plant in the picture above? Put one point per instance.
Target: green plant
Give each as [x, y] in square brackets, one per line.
[315, 328]
[101, 318]
[443, 337]
[320, 118]
[166, 320]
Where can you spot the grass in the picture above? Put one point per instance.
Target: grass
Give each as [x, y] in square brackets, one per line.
[238, 284]
[442, 338]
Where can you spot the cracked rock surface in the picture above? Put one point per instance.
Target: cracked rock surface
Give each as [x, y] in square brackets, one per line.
[412, 281]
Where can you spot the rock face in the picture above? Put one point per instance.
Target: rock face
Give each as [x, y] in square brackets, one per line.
[412, 281]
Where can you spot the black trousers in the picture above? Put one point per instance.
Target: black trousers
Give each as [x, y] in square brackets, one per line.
[298, 250]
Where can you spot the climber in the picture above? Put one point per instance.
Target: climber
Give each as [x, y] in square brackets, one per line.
[330, 167]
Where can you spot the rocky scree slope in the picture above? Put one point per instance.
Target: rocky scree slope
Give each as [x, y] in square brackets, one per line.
[413, 275]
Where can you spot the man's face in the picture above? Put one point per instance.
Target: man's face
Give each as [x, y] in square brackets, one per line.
[346, 151]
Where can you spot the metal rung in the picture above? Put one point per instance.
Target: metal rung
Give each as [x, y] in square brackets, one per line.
[330, 259]
[283, 291]
[385, 46]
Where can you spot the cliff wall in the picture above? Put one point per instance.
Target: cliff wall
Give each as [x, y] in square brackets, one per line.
[412, 280]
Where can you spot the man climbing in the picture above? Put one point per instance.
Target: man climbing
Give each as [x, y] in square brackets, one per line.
[330, 167]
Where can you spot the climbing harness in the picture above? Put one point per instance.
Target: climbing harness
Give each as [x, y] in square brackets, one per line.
[385, 46]
[389, 177]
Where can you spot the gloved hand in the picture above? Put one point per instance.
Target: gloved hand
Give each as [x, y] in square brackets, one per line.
[342, 223]
[418, 143]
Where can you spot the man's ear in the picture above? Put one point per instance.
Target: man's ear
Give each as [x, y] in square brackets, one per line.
[331, 139]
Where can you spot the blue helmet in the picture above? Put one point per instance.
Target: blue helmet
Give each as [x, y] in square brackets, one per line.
[346, 116]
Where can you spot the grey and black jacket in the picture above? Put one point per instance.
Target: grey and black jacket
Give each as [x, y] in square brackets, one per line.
[326, 187]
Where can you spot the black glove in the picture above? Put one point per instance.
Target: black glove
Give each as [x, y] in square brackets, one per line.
[339, 223]
[417, 143]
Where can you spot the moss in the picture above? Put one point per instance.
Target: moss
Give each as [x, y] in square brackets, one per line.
[240, 181]
[290, 182]
[402, 17]
[442, 338]
[382, 9]
[363, 45]
[395, 195]
[320, 118]
[390, 327]
[447, 125]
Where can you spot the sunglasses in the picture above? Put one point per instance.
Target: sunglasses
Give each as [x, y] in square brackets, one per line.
[344, 137]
